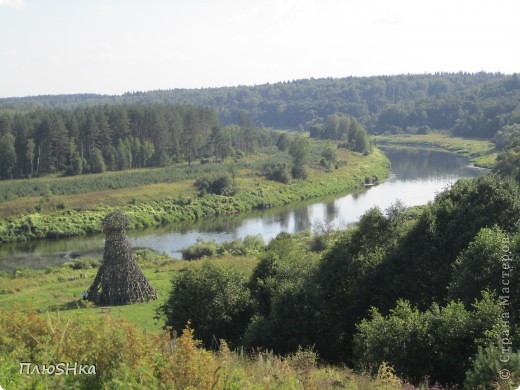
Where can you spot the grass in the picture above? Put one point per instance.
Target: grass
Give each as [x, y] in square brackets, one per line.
[129, 336]
[481, 152]
[51, 291]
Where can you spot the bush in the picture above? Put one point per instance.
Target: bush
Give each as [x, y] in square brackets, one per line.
[478, 266]
[437, 343]
[213, 299]
[199, 250]
[249, 245]
[218, 185]
[278, 172]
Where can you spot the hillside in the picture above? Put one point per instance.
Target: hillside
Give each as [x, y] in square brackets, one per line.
[475, 105]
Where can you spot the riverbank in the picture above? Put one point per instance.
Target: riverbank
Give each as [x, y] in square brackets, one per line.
[480, 152]
[162, 203]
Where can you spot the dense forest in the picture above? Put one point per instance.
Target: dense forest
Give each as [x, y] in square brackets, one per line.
[465, 104]
[120, 137]
[100, 138]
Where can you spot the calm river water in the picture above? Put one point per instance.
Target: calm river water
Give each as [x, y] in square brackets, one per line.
[417, 175]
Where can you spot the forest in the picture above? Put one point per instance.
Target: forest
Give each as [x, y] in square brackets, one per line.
[464, 104]
[76, 134]
[102, 138]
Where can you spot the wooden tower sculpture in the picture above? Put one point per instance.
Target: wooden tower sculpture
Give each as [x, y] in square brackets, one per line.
[119, 279]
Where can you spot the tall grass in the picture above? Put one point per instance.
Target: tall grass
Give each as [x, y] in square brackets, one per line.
[126, 357]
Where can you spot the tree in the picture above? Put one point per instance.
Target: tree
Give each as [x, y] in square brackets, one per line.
[283, 142]
[147, 152]
[329, 155]
[299, 149]
[436, 343]
[7, 156]
[213, 299]
[478, 267]
[358, 137]
[96, 163]
[29, 156]
[218, 143]
[123, 154]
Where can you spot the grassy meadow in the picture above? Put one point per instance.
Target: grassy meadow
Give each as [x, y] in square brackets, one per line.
[58, 215]
[58, 291]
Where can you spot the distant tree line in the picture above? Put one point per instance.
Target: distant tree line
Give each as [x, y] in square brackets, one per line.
[465, 104]
[118, 137]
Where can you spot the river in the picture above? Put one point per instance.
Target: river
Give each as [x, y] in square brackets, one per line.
[417, 175]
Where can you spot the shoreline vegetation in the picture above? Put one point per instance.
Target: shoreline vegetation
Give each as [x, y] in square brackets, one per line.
[56, 216]
[482, 153]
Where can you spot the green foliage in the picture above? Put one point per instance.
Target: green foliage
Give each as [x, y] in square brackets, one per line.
[345, 128]
[199, 250]
[214, 299]
[96, 163]
[7, 156]
[437, 343]
[428, 252]
[278, 172]
[282, 297]
[486, 367]
[479, 267]
[508, 161]
[152, 209]
[249, 245]
[218, 185]
[126, 357]
[472, 105]
[329, 155]
[299, 149]
[117, 137]
[347, 276]
[283, 142]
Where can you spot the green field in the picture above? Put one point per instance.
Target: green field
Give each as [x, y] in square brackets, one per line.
[50, 291]
[54, 216]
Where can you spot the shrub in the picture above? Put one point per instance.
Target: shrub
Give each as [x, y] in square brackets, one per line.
[436, 343]
[199, 250]
[277, 172]
[248, 245]
[218, 185]
[213, 298]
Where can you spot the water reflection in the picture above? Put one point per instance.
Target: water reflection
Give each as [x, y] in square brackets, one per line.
[417, 175]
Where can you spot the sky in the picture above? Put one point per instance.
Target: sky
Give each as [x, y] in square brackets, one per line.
[118, 46]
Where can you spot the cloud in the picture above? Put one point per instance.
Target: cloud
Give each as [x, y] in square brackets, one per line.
[17, 4]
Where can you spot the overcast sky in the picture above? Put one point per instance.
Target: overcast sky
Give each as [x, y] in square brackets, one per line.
[116, 46]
